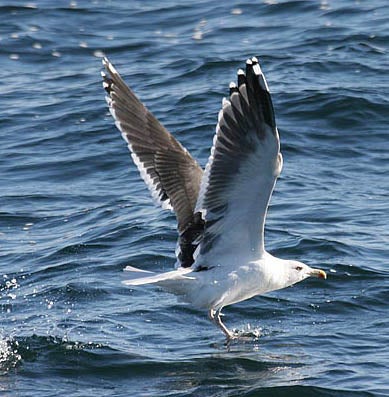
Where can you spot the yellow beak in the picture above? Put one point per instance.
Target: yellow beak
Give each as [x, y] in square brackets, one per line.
[318, 273]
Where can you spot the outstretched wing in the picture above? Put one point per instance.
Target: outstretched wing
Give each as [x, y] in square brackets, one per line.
[170, 172]
[242, 169]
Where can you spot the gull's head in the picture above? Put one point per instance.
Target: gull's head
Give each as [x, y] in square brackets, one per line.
[298, 271]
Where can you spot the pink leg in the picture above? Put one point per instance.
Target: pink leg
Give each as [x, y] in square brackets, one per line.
[214, 316]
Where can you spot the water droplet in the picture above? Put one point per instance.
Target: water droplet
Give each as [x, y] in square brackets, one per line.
[98, 54]
[197, 35]
[236, 11]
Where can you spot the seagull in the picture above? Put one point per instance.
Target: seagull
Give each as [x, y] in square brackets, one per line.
[221, 210]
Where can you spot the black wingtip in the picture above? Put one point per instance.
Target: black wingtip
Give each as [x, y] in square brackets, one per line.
[107, 83]
[241, 77]
[249, 67]
[233, 88]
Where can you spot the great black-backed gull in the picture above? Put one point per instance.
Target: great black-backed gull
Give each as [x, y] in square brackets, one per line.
[221, 210]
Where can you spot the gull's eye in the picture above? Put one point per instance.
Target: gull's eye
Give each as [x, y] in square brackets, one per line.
[299, 268]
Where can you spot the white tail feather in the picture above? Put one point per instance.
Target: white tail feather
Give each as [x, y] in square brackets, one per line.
[138, 279]
[136, 270]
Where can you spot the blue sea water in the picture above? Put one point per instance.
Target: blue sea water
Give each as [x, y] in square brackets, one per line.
[74, 211]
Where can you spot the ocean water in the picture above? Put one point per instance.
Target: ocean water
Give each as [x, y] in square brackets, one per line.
[74, 211]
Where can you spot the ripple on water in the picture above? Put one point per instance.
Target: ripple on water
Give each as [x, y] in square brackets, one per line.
[74, 212]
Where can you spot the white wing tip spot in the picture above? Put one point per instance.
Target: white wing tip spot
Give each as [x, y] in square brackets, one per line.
[225, 102]
[108, 65]
[240, 71]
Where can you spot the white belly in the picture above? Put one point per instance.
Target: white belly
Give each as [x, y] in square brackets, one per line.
[219, 287]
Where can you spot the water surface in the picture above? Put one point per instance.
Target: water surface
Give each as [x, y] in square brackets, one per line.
[74, 211]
